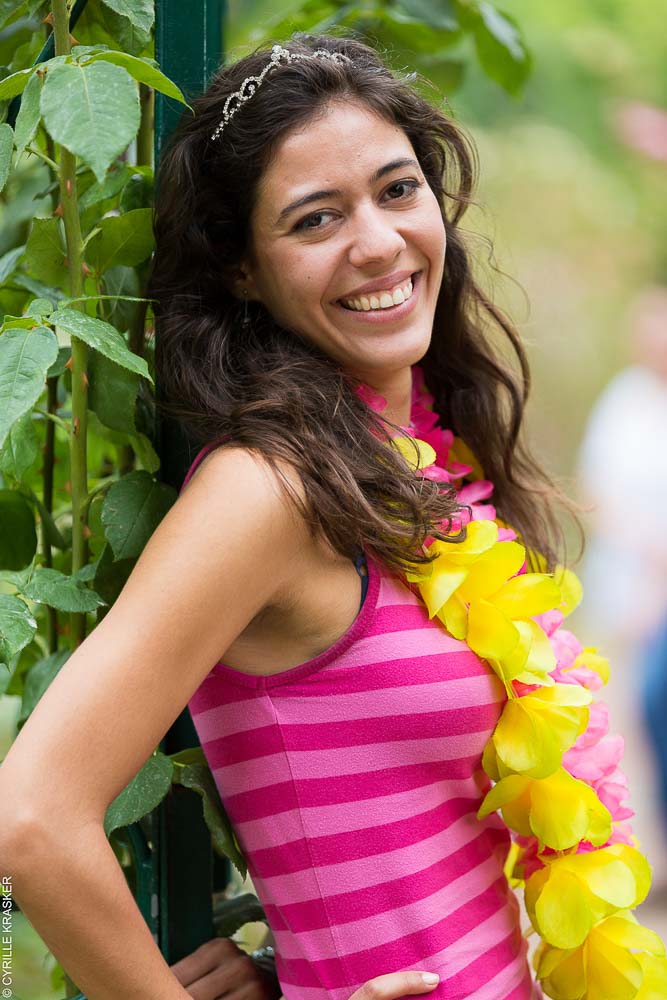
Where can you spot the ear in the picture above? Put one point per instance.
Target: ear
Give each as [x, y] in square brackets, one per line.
[241, 284]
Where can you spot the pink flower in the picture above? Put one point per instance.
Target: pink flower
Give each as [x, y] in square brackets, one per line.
[372, 398]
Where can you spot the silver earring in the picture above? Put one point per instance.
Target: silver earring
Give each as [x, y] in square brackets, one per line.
[245, 322]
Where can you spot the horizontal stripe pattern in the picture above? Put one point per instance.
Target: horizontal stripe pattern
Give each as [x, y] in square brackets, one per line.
[353, 783]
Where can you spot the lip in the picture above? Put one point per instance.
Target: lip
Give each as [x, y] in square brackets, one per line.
[393, 312]
[378, 284]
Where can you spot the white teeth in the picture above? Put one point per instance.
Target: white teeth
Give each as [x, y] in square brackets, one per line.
[384, 300]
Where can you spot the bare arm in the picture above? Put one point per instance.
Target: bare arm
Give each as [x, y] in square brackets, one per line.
[220, 555]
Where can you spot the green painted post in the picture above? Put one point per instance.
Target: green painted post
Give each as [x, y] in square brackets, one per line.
[188, 48]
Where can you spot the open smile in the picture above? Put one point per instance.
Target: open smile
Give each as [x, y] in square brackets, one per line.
[383, 307]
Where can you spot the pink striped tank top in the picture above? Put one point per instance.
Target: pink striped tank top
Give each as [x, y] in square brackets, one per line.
[352, 782]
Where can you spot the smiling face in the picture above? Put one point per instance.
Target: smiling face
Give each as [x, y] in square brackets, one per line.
[348, 242]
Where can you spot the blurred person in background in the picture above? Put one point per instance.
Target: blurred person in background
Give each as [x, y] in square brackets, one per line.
[623, 474]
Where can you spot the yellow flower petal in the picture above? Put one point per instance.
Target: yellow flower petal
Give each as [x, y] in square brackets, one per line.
[460, 452]
[570, 588]
[418, 454]
[514, 663]
[440, 586]
[512, 796]
[454, 615]
[527, 595]
[654, 981]
[624, 929]
[591, 660]
[480, 536]
[612, 972]
[564, 811]
[562, 972]
[541, 657]
[562, 912]
[492, 570]
[639, 866]
[525, 742]
[490, 632]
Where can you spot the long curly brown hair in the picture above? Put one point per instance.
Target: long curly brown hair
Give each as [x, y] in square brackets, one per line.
[265, 388]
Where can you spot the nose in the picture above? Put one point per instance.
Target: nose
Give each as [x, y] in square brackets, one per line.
[376, 237]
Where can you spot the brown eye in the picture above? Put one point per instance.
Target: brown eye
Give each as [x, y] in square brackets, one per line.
[405, 189]
[310, 221]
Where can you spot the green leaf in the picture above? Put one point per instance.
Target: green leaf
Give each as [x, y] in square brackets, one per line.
[25, 358]
[111, 576]
[114, 182]
[145, 452]
[49, 586]
[10, 10]
[501, 49]
[123, 239]
[39, 308]
[92, 110]
[18, 536]
[6, 149]
[199, 778]
[101, 336]
[124, 283]
[17, 626]
[58, 366]
[28, 117]
[433, 13]
[133, 508]
[139, 192]
[143, 70]
[14, 84]
[139, 13]
[45, 252]
[112, 393]
[146, 790]
[38, 287]
[191, 755]
[230, 914]
[124, 35]
[9, 262]
[20, 449]
[37, 680]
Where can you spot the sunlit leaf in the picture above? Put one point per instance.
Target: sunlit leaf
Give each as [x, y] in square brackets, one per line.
[28, 117]
[25, 357]
[101, 336]
[92, 110]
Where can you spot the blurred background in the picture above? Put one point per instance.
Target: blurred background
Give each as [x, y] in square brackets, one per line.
[573, 174]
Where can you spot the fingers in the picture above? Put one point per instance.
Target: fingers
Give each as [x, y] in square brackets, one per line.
[209, 957]
[397, 984]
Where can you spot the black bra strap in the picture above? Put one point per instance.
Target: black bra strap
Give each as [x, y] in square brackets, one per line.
[362, 569]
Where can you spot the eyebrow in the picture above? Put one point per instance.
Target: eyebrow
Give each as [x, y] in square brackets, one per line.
[405, 161]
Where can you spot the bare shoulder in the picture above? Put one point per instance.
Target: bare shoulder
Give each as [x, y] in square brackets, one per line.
[218, 557]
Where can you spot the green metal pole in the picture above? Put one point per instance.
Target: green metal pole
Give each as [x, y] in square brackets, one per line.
[188, 48]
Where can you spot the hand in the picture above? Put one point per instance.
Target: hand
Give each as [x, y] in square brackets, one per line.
[219, 969]
[395, 985]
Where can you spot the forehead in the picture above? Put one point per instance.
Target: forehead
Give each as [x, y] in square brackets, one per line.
[340, 147]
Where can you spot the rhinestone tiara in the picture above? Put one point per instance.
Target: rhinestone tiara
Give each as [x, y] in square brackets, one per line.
[279, 57]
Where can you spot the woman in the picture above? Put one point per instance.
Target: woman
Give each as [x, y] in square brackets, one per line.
[308, 256]
[309, 219]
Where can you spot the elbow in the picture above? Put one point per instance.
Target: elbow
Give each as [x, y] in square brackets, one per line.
[21, 830]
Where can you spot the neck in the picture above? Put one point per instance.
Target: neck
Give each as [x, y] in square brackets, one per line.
[396, 388]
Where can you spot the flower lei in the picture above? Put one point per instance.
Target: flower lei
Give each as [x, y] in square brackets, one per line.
[555, 770]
